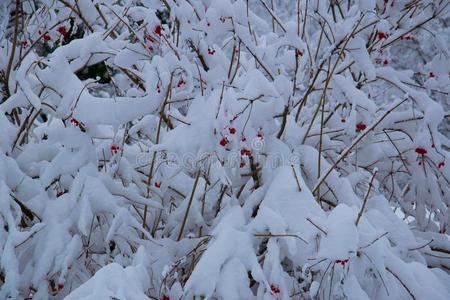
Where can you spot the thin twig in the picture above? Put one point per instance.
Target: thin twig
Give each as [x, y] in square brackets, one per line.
[13, 50]
[194, 187]
[365, 199]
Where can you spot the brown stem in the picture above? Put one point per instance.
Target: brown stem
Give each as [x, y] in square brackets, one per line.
[365, 199]
[355, 142]
[194, 187]
[13, 50]
[402, 283]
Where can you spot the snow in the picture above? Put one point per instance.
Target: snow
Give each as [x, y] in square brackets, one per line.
[341, 240]
[224, 149]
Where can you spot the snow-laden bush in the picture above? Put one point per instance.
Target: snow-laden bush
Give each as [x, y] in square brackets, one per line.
[187, 149]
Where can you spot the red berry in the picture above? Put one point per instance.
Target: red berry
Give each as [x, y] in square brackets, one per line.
[245, 151]
[243, 138]
[157, 30]
[386, 62]
[24, 44]
[181, 82]
[47, 37]
[421, 150]
[341, 261]
[211, 51]
[223, 142]
[242, 164]
[232, 130]
[260, 135]
[433, 146]
[165, 297]
[158, 184]
[60, 286]
[114, 148]
[62, 30]
[441, 164]
[59, 194]
[342, 120]
[382, 35]
[75, 122]
[299, 52]
[432, 75]
[361, 126]
[442, 231]
[275, 289]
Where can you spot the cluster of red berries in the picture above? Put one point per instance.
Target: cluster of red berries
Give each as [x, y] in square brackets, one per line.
[62, 30]
[299, 52]
[361, 126]
[384, 62]
[275, 289]
[45, 35]
[245, 152]
[223, 142]
[158, 184]
[158, 89]
[181, 82]
[341, 261]
[74, 122]
[224, 18]
[421, 150]
[211, 51]
[114, 148]
[382, 35]
[165, 297]
[59, 194]
[442, 230]
[157, 30]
